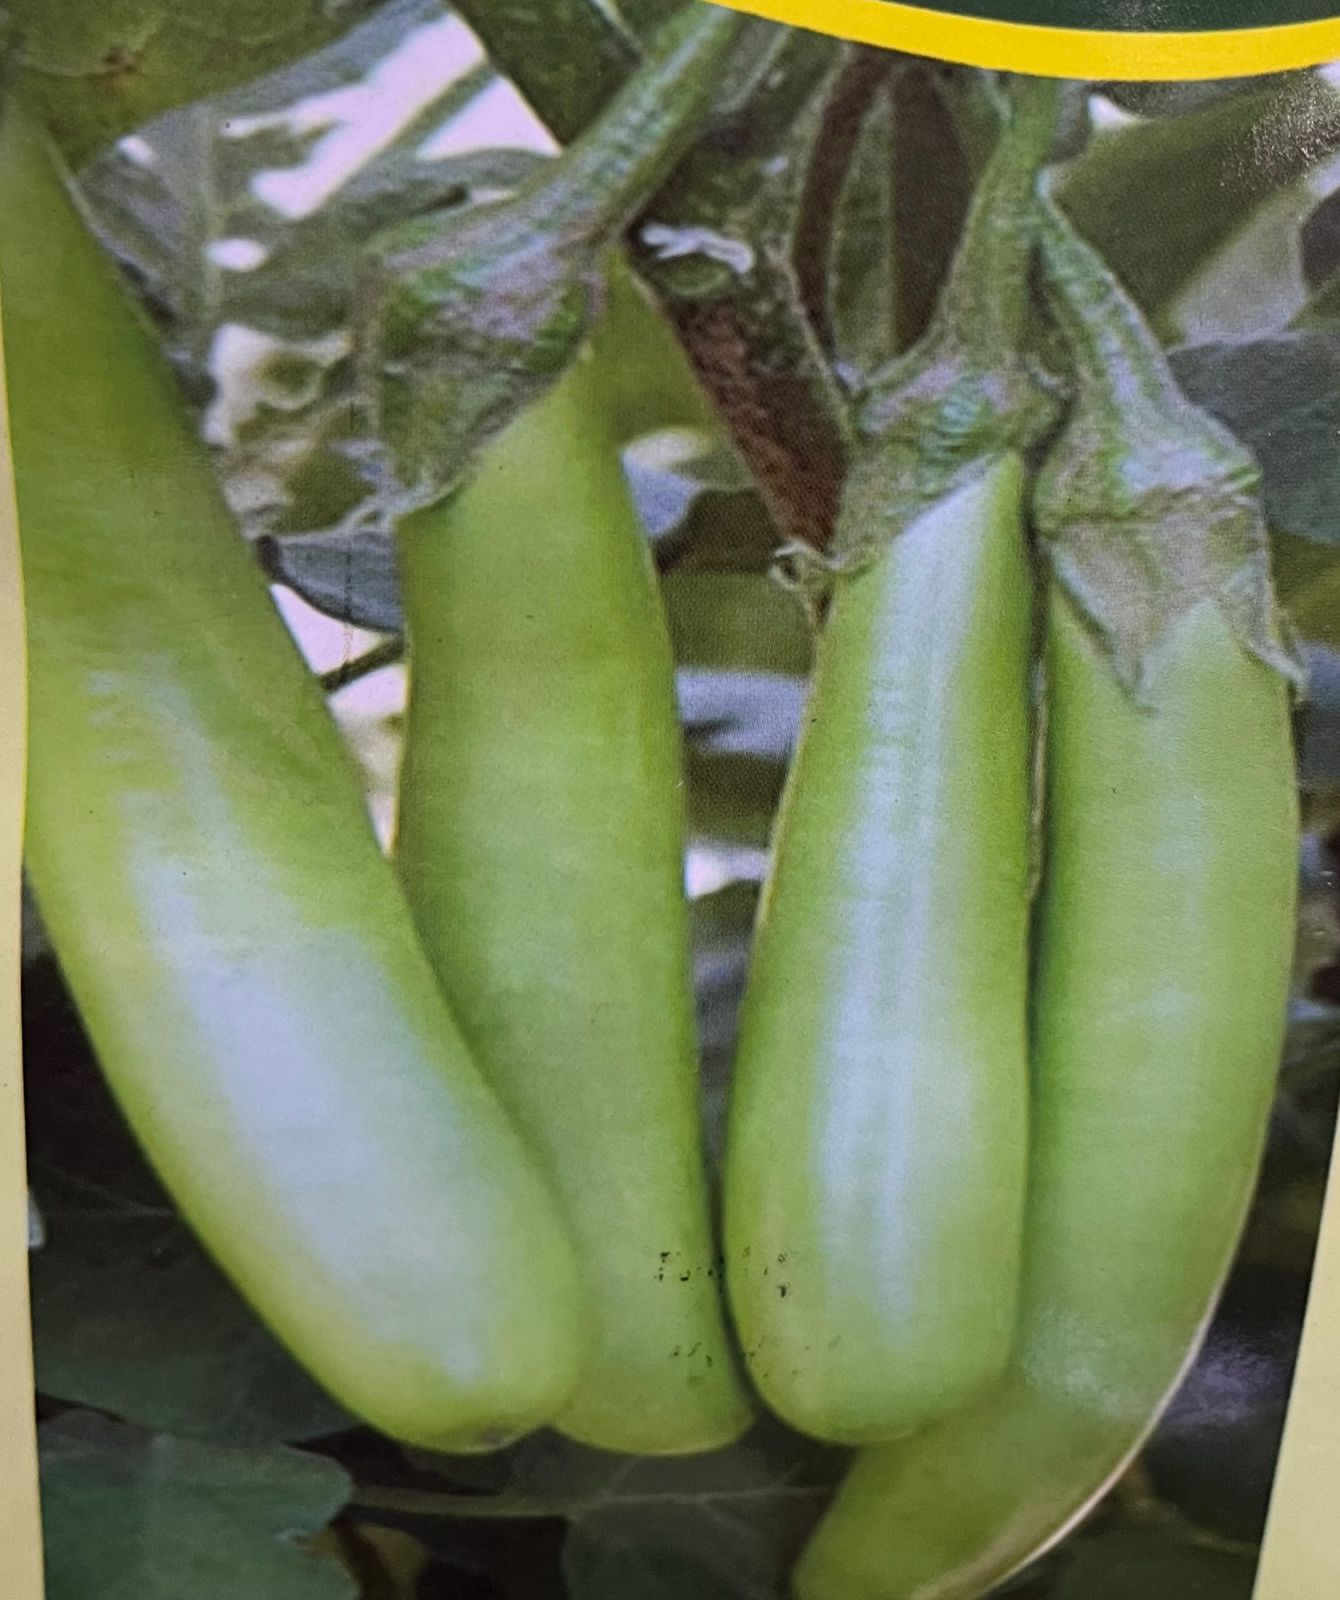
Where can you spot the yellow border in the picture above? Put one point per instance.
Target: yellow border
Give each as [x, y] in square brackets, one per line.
[20, 1531]
[1060, 52]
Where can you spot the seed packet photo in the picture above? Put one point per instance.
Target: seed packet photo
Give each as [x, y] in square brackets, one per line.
[672, 740]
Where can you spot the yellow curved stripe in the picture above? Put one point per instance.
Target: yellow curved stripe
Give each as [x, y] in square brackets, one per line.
[1060, 52]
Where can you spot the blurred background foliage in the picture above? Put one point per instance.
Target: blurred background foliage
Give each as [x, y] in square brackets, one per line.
[182, 1451]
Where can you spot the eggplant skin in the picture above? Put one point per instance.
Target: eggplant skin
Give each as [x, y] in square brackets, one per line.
[238, 947]
[541, 846]
[1166, 931]
[876, 1162]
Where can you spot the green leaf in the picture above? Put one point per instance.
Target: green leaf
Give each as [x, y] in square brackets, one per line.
[1176, 99]
[737, 620]
[349, 576]
[1215, 1453]
[1254, 286]
[864, 288]
[726, 1526]
[99, 68]
[130, 1515]
[1321, 242]
[727, 530]
[1196, 180]
[255, 304]
[624, 1556]
[670, 471]
[1313, 603]
[733, 799]
[1281, 396]
[645, 16]
[1319, 723]
[1155, 1565]
[570, 86]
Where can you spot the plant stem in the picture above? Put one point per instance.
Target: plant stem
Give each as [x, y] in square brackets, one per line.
[605, 178]
[386, 654]
[985, 300]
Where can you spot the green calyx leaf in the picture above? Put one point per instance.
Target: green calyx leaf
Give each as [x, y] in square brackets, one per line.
[1147, 506]
[965, 392]
[465, 318]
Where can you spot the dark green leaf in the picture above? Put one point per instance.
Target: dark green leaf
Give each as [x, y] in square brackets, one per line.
[1312, 597]
[669, 472]
[1321, 242]
[351, 577]
[1176, 99]
[1160, 199]
[645, 16]
[255, 304]
[731, 1521]
[1319, 723]
[737, 620]
[727, 1526]
[130, 1515]
[99, 69]
[864, 290]
[568, 87]
[1155, 1565]
[634, 1556]
[732, 798]
[1323, 309]
[1281, 397]
[1215, 1452]
[726, 531]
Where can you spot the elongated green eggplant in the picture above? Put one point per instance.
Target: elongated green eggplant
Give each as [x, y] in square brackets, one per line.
[541, 844]
[541, 832]
[239, 949]
[1165, 943]
[876, 1160]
